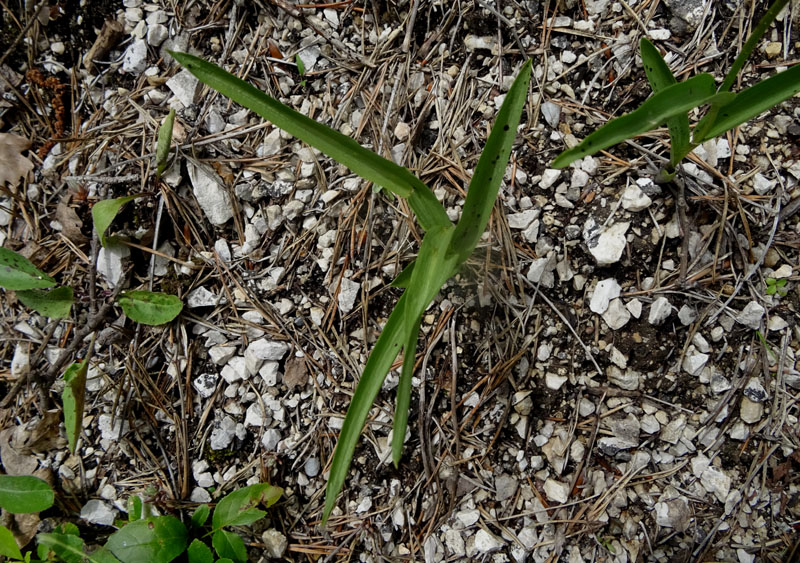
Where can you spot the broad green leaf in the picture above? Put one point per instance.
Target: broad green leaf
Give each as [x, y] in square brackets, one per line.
[748, 103]
[199, 552]
[669, 102]
[404, 277]
[102, 555]
[224, 560]
[227, 544]
[660, 76]
[8, 545]
[157, 539]
[67, 547]
[103, 213]
[73, 400]
[238, 507]
[164, 142]
[750, 44]
[491, 168]
[200, 516]
[54, 303]
[21, 494]
[150, 308]
[18, 273]
[341, 148]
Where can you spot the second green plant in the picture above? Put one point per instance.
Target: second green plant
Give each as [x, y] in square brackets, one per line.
[445, 246]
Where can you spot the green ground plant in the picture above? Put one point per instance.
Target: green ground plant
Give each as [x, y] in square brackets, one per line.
[672, 100]
[145, 536]
[445, 246]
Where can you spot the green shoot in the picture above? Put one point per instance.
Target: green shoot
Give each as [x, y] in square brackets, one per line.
[164, 142]
[444, 247]
[301, 69]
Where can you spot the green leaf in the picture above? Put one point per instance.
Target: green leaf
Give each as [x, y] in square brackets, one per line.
[750, 44]
[18, 273]
[752, 101]
[135, 508]
[403, 400]
[660, 76]
[669, 102]
[73, 400]
[158, 539]
[200, 516]
[404, 277]
[102, 555]
[103, 213]
[55, 303]
[199, 552]
[491, 168]
[341, 148]
[67, 547]
[301, 67]
[21, 494]
[150, 308]
[238, 507]
[8, 545]
[228, 544]
[164, 142]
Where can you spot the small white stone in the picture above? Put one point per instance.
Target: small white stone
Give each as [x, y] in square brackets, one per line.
[717, 482]
[549, 177]
[634, 199]
[616, 316]
[523, 219]
[556, 490]
[275, 543]
[635, 307]
[659, 34]
[660, 309]
[674, 513]
[222, 436]
[694, 361]
[311, 467]
[777, 323]
[271, 439]
[628, 379]
[750, 411]
[110, 262]
[751, 315]
[201, 297]
[156, 34]
[210, 192]
[604, 292]
[348, 292]
[98, 512]
[220, 355]
[762, 185]
[554, 381]
[402, 131]
[21, 362]
[135, 59]
[551, 113]
[606, 244]
[486, 542]
[687, 315]
[205, 384]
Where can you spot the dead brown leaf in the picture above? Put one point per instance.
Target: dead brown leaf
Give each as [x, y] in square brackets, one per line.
[296, 373]
[70, 223]
[15, 166]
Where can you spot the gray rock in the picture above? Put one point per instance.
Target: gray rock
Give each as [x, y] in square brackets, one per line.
[660, 309]
[455, 543]
[755, 391]
[719, 383]
[689, 11]
[506, 486]
[694, 361]
[220, 355]
[200, 495]
[751, 315]
[156, 34]
[634, 199]
[202, 297]
[271, 439]
[551, 113]
[541, 271]
[617, 315]
[549, 177]
[673, 431]
[223, 250]
[110, 262]
[523, 219]
[222, 436]
[605, 244]
[604, 292]
[625, 435]
[275, 543]
[750, 411]
[556, 490]
[484, 543]
[687, 315]
[134, 61]
[210, 193]
[98, 512]
[348, 292]
[311, 467]
[185, 86]
[628, 379]
[205, 384]
[716, 481]
[674, 513]
[265, 349]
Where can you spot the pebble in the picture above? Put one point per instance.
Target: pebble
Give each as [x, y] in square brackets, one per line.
[554, 381]
[673, 513]
[98, 512]
[660, 309]
[628, 379]
[475, 42]
[755, 391]
[109, 430]
[523, 404]
[617, 315]
[719, 383]
[605, 244]
[222, 436]
[694, 361]
[311, 467]
[634, 199]
[201, 297]
[551, 113]
[635, 307]
[556, 490]
[271, 439]
[505, 486]
[135, 59]
[773, 49]
[777, 323]
[455, 543]
[21, 362]
[275, 543]
[185, 86]
[751, 315]
[211, 194]
[205, 384]
[687, 315]
[220, 355]
[156, 34]
[110, 262]
[604, 292]
[484, 542]
[717, 482]
[750, 411]
[762, 185]
[673, 431]
[348, 292]
[549, 177]
[468, 517]
[200, 495]
[523, 219]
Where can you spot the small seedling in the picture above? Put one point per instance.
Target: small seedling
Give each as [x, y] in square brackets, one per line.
[301, 69]
[164, 142]
[776, 287]
[671, 102]
[445, 247]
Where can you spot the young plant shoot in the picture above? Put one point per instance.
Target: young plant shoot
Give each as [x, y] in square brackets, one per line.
[444, 247]
[671, 102]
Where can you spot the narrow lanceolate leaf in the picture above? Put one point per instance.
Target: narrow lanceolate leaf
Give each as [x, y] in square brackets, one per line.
[339, 147]
[491, 167]
[73, 398]
[150, 308]
[669, 102]
[18, 273]
[21, 494]
[164, 142]
[750, 44]
[54, 303]
[103, 213]
[403, 398]
[754, 100]
[660, 76]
